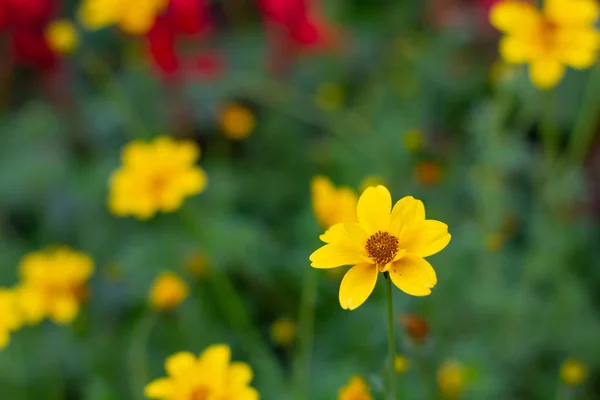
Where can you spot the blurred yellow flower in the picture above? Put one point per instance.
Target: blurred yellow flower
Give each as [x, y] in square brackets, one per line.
[197, 264]
[562, 34]
[330, 96]
[61, 36]
[413, 140]
[370, 181]
[452, 378]
[573, 372]
[283, 331]
[237, 121]
[384, 240]
[155, 177]
[134, 17]
[10, 315]
[356, 389]
[53, 283]
[212, 375]
[428, 172]
[401, 364]
[332, 205]
[494, 242]
[168, 291]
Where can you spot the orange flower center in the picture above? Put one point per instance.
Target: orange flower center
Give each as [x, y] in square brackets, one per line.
[200, 394]
[382, 247]
[547, 34]
[157, 185]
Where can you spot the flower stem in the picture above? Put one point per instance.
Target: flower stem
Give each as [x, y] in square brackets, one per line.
[583, 130]
[136, 355]
[391, 342]
[548, 126]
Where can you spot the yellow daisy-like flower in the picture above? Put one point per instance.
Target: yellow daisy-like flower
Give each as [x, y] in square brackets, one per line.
[385, 239]
[155, 177]
[212, 375]
[53, 284]
[562, 34]
[332, 205]
[237, 121]
[10, 315]
[61, 36]
[135, 17]
[356, 389]
[573, 372]
[168, 291]
[283, 331]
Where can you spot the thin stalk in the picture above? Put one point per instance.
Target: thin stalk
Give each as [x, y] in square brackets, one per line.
[582, 135]
[391, 395]
[549, 127]
[136, 355]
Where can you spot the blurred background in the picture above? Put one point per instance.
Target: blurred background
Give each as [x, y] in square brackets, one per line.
[410, 94]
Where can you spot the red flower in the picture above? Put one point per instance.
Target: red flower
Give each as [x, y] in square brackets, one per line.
[29, 48]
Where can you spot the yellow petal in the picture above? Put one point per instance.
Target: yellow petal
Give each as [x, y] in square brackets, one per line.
[357, 285]
[572, 12]
[240, 374]
[373, 209]
[515, 50]
[4, 338]
[331, 256]
[247, 393]
[578, 47]
[513, 16]
[336, 233]
[180, 363]
[214, 365]
[64, 310]
[159, 389]
[413, 275]
[545, 73]
[426, 238]
[407, 211]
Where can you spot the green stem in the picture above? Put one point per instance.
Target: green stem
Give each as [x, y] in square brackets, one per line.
[136, 355]
[549, 127]
[582, 135]
[391, 395]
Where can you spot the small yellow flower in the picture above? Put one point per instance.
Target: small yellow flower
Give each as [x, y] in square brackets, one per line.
[168, 291]
[332, 205]
[10, 315]
[573, 372]
[283, 331]
[401, 364]
[197, 265]
[413, 140]
[562, 34]
[237, 121]
[452, 378]
[330, 96]
[53, 284]
[371, 181]
[61, 36]
[134, 17]
[384, 240]
[155, 177]
[428, 172]
[212, 375]
[356, 389]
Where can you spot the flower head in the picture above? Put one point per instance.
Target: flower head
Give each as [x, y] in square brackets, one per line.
[237, 121]
[385, 239]
[155, 177]
[401, 364]
[212, 375]
[10, 315]
[53, 284]
[168, 291]
[356, 389]
[573, 372]
[452, 379]
[61, 36]
[197, 264]
[134, 17]
[283, 331]
[561, 34]
[332, 205]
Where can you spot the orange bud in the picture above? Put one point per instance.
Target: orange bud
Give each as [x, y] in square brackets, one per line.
[416, 327]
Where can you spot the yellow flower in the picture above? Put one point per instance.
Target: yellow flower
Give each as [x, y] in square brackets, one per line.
[573, 372]
[401, 364]
[212, 375]
[197, 265]
[329, 97]
[135, 17]
[384, 240]
[413, 140]
[452, 379]
[53, 283]
[356, 389]
[237, 121]
[61, 36]
[561, 34]
[168, 291]
[155, 177]
[283, 331]
[332, 205]
[371, 181]
[10, 316]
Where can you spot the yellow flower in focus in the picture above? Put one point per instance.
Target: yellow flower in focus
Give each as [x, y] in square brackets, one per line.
[385, 239]
[212, 375]
[573, 372]
[61, 36]
[401, 364]
[413, 140]
[168, 291]
[134, 17]
[332, 205]
[283, 331]
[197, 265]
[452, 379]
[237, 121]
[428, 172]
[562, 34]
[371, 181]
[329, 97]
[356, 389]
[53, 284]
[155, 177]
[10, 315]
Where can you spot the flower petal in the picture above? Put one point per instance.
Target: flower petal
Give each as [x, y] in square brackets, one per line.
[407, 211]
[357, 285]
[180, 363]
[159, 389]
[413, 275]
[515, 50]
[513, 16]
[572, 12]
[546, 73]
[239, 374]
[336, 233]
[331, 256]
[373, 209]
[426, 238]
[64, 310]
[217, 356]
